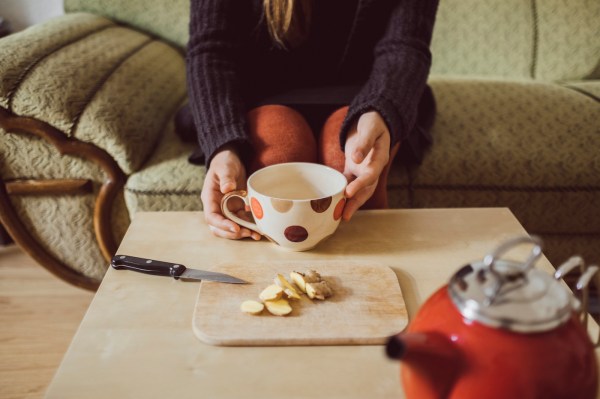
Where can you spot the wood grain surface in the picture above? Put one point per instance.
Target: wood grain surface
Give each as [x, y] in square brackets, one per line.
[39, 315]
[367, 306]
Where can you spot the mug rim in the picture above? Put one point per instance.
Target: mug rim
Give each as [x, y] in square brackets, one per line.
[313, 164]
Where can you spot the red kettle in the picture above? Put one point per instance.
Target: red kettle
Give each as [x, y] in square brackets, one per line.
[500, 329]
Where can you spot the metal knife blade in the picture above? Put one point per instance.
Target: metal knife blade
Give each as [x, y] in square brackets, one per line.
[177, 271]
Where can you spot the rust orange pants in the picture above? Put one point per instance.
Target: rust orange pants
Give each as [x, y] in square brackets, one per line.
[281, 134]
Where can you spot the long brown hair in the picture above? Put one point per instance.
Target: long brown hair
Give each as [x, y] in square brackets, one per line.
[288, 21]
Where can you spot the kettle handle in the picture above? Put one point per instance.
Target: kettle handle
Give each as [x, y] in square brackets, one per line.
[536, 252]
[582, 286]
[489, 261]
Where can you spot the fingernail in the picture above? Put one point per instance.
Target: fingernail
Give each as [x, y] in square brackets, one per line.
[233, 230]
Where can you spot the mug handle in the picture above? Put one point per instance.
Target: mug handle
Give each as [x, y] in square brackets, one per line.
[243, 195]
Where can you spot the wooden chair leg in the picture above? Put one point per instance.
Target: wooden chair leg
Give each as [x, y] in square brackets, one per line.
[5, 238]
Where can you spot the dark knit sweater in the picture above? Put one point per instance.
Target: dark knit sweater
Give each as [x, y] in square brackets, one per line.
[379, 47]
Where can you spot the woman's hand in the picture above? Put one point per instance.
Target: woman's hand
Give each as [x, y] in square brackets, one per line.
[225, 174]
[367, 154]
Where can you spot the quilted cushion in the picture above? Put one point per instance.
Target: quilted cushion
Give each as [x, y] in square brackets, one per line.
[105, 84]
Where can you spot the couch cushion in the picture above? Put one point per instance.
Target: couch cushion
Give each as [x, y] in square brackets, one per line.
[568, 39]
[24, 156]
[474, 37]
[22, 51]
[113, 87]
[530, 146]
[63, 225]
[525, 145]
[588, 87]
[165, 19]
[168, 182]
[547, 40]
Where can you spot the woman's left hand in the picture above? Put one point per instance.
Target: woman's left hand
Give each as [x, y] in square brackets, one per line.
[367, 153]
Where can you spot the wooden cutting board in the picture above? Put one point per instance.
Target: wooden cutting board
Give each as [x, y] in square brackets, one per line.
[366, 307]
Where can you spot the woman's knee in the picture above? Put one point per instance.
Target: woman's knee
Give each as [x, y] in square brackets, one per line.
[280, 134]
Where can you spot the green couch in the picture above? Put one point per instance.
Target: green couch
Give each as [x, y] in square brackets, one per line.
[87, 136]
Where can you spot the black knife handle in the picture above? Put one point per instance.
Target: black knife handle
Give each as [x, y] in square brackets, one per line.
[148, 266]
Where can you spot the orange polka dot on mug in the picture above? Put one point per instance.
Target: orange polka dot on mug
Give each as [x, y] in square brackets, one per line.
[257, 210]
[339, 209]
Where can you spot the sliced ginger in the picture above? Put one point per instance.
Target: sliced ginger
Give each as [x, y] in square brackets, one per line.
[298, 279]
[252, 307]
[288, 289]
[279, 307]
[271, 293]
[273, 299]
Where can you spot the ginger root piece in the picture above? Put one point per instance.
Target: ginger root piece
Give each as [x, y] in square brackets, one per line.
[252, 307]
[300, 279]
[280, 307]
[312, 276]
[318, 290]
[288, 289]
[271, 293]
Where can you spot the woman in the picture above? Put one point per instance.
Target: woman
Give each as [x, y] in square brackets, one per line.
[265, 75]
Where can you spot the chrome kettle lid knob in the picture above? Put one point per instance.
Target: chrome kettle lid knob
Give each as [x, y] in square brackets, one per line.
[511, 295]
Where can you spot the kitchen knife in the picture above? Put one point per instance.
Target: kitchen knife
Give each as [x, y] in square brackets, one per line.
[177, 271]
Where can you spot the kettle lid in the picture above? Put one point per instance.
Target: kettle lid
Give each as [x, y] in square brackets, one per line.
[511, 295]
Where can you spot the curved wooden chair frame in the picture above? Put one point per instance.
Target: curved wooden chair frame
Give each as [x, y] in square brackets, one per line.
[111, 187]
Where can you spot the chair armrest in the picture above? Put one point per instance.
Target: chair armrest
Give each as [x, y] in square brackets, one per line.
[94, 81]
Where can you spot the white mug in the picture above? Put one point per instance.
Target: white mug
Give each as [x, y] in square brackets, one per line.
[296, 205]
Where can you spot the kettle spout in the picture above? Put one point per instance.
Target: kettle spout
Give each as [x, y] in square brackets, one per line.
[431, 362]
[409, 345]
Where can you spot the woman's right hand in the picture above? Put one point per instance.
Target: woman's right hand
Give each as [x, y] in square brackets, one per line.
[226, 173]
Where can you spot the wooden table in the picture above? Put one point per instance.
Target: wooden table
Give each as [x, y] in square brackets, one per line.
[136, 339]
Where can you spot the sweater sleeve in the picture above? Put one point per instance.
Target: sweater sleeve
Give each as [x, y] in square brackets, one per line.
[212, 74]
[399, 72]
